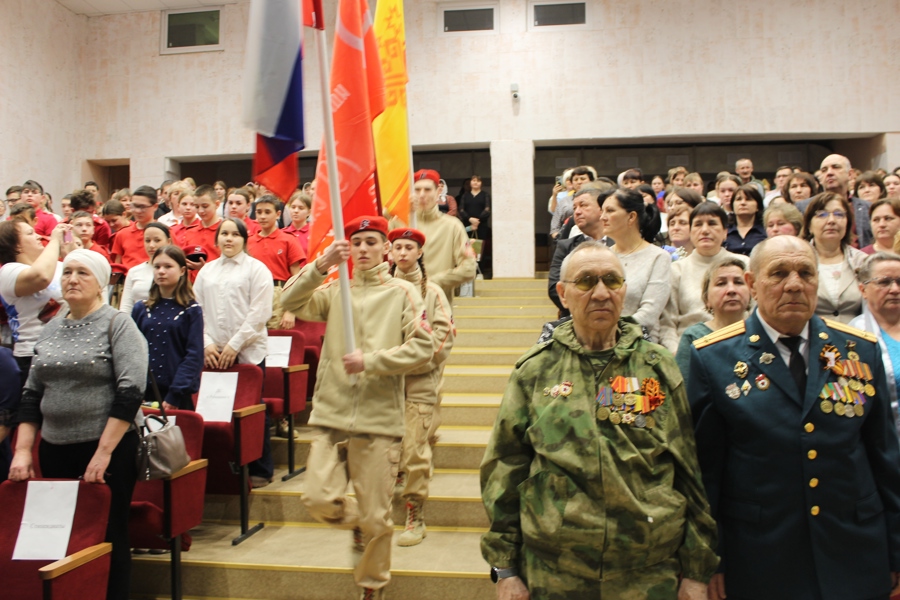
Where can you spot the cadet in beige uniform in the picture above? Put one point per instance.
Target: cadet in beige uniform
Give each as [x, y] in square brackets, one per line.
[359, 425]
[449, 257]
[423, 385]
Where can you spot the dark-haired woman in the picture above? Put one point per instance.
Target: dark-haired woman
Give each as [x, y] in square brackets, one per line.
[29, 283]
[140, 277]
[172, 321]
[632, 224]
[828, 225]
[423, 397]
[748, 229]
[235, 292]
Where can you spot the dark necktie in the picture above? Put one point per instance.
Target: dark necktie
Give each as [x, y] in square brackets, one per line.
[797, 364]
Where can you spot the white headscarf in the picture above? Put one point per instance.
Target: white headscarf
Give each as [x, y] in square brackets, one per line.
[96, 264]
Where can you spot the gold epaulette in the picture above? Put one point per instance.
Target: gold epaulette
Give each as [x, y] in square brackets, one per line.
[844, 328]
[720, 334]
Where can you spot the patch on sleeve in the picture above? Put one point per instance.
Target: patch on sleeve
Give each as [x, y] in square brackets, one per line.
[425, 324]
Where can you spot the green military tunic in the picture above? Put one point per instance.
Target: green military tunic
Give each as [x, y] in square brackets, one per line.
[590, 497]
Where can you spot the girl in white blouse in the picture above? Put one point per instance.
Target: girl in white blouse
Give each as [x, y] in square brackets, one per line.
[235, 292]
[140, 277]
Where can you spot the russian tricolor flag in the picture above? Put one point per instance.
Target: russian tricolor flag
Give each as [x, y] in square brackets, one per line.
[273, 77]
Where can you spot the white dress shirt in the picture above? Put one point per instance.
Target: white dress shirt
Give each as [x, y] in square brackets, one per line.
[137, 286]
[236, 297]
[783, 350]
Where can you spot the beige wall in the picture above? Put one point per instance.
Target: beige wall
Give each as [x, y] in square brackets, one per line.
[645, 71]
[42, 49]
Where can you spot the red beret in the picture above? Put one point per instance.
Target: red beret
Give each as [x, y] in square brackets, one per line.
[194, 253]
[428, 174]
[376, 223]
[408, 234]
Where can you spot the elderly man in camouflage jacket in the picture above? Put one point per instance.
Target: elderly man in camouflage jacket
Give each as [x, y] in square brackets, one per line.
[591, 479]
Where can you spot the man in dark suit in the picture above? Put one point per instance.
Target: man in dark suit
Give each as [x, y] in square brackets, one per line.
[586, 207]
[797, 444]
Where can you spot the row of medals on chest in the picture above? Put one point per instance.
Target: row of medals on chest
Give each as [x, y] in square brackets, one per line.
[845, 397]
[627, 400]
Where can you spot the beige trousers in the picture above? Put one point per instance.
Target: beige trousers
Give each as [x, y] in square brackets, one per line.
[274, 321]
[422, 418]
[337, 458]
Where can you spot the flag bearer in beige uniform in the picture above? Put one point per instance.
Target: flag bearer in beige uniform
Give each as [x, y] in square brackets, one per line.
[448, 255]
[422, 384]
[359, 424]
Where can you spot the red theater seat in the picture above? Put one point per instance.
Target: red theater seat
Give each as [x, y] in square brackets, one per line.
[163, 511]
[285, 390]
[231, 446]
[314, 333]
[82, 574]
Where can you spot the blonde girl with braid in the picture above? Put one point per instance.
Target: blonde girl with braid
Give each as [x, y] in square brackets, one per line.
[423, 397]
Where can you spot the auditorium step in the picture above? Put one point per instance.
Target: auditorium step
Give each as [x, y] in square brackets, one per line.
[454, 502]
[533, 322]
[493, 336]
[294, 557]
[457, 447]
[464, 408]
[464, 355]
[313, 562]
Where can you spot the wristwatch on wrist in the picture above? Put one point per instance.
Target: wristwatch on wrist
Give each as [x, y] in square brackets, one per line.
[498, 574]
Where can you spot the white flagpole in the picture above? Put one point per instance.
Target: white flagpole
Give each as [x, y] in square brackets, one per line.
[334, 189]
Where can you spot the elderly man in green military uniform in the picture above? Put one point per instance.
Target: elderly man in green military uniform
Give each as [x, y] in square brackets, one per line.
[797, 444]
[591, 480]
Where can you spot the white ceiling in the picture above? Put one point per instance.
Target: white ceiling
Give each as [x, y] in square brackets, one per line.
[94, 8]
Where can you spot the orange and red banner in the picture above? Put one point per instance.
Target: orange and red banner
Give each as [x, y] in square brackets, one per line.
[357, 97]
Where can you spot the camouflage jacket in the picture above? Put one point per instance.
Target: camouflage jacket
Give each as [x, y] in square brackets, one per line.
[584, 494]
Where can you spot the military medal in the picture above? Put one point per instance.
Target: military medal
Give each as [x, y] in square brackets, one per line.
[650, 422]
[628, 418]
[827, 406]
[618, 399]
[839, 409]
[859, 410]
[849, 412]
[565, 388]
[869, 389]
[851, 350]
[746, 387]
[615, 418]
[741, 369]
[733, 391]
[554, 391]
[762, 382]
[855, 385]
[546, 391]
[603, 413]
[754, 338]
[830, 355]
[823, 336]
[766, 358]
[640, 421]
[630, 399]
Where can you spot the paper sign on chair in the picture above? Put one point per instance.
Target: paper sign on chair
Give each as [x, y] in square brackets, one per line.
[46, 520]
[279, 351]
[215, 401]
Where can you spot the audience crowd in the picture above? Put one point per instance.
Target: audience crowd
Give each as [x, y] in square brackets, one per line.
[200, 272]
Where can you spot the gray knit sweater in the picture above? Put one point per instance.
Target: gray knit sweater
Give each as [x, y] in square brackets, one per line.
[77, 381]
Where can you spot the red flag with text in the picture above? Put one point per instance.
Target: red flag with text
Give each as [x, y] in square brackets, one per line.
[357, 97]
